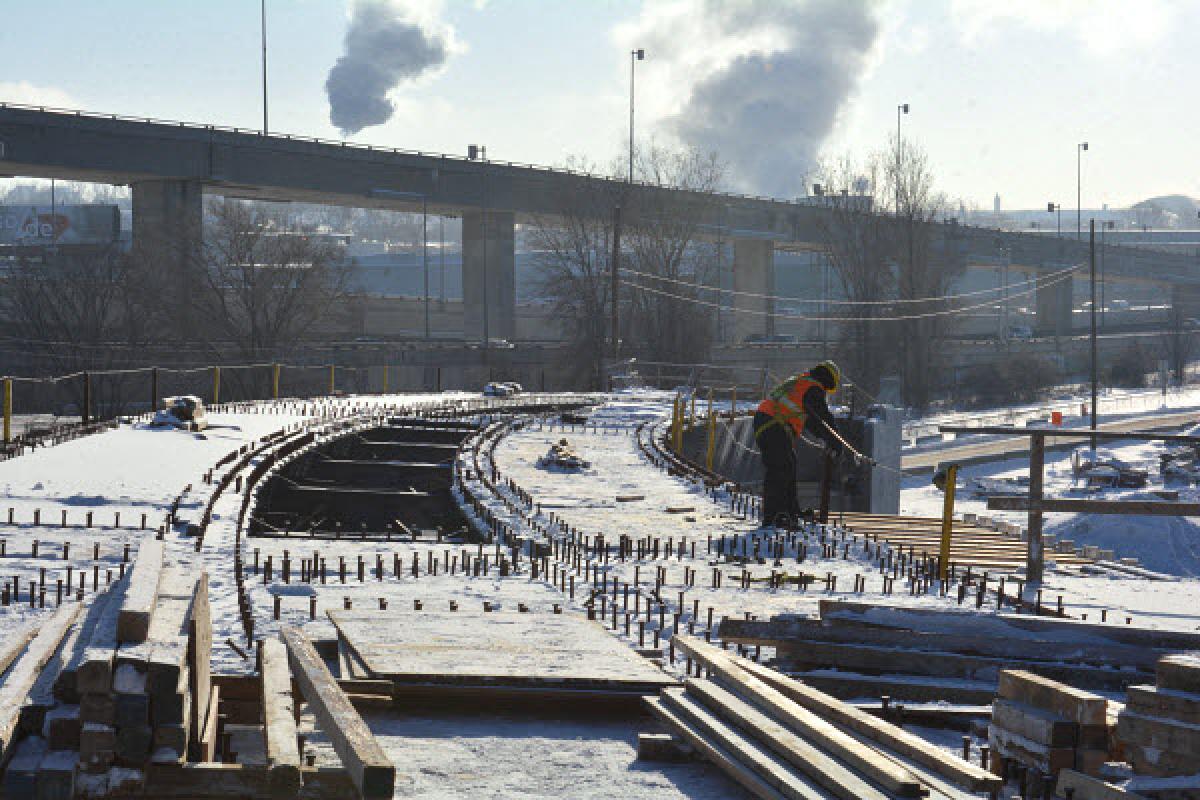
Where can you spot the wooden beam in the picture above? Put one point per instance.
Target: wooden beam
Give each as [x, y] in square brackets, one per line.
[719, 755]
[1086, 788]
[801, 754]
[200, 661]
[279, 719]
[1068, 433]
[137, 606]
[206, 742]
[14, 644]
[860, 722]
[833, 740]
[28, 667]
[373, 773]
[1123, 507]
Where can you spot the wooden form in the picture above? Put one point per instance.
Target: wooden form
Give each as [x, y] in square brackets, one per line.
[1088, 788]
[784, 717]
[513, 650]
[370, 770]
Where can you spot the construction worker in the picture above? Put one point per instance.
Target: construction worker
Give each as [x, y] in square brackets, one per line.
[796, 406]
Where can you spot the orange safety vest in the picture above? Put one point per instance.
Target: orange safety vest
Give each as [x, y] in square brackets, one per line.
[785, 403]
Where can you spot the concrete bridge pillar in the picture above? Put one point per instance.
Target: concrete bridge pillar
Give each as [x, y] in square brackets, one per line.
[753, 271]
[489, 275]
[168, 230]
[1054, 302]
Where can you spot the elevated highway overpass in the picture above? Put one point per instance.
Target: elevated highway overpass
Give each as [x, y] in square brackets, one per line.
[170, 166]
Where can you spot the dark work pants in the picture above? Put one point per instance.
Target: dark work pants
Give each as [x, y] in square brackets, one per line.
[777, 447]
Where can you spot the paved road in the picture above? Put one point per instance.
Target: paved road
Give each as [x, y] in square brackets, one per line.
[995, 448]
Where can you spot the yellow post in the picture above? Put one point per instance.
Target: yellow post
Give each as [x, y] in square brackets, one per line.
[947, 521]
[7, 410]
[710, 400]
[712, 441]
[216, 385]
[692, 412]
[678, 423]
[275, 381]
[385, 379]
[332, 379]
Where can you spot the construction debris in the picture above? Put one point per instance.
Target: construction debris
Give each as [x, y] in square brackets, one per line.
[563, 456]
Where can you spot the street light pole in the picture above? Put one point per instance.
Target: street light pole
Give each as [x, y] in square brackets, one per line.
[902, 108]
[263, 21]
[1079, 150]
[1051, 208]
[1095, 369]
[425, 257]
[634, 57]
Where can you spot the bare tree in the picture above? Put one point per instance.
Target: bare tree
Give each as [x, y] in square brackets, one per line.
[926, 264]
[573, 256]
[267, 280]
[1178, 341]
[859, 244]
[672, 262]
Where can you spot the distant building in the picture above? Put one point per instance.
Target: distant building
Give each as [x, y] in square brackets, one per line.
[996, 204]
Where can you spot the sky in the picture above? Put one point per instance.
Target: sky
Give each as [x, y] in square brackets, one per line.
[1000, 94]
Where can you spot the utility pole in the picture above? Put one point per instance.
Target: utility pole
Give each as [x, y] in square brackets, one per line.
[634, 57]
[1092, 260]
[616, 284]
[263, 21]
[1079, 150]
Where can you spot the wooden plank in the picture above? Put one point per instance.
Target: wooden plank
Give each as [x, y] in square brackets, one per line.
[1035, 724]
[137, 606]
[1015, 625]
[1178, 738]
[373, 774]
[279, 719]
[789, 632]
[1073, 506]
[1179, 672]
[901, 688]
[804, 722]
[200, 661]
[204, 781]
[1155, 702]
[724, 760]
[14, 644]
[870, 659]
[801, 754]
[25, 671]
[860, 722]
[94, 674]
[74, 648]
[1066, 701]
[1031, 754]
[206, 743]
[1086, 788]
[777, 774]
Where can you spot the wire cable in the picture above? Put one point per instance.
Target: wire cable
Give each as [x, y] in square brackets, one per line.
[996, 289]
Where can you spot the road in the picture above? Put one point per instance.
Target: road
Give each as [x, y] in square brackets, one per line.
[996, 448]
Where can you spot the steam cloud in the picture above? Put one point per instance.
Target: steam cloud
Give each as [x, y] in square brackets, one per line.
[387, 43]
[788, 69]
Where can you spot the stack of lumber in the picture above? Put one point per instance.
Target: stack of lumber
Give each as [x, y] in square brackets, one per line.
[1160, 725]
[780, 738]
[113, 686]
[1047, 726]
[860, 650]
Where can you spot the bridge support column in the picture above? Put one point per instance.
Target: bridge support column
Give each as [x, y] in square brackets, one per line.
[1054, 304]
[753, 271]
[168, 226]
[489, 275]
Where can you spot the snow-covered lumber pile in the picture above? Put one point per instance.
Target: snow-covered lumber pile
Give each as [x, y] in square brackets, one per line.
[1047, 726]
[929, 655]
[1160, 725]
[778, 737]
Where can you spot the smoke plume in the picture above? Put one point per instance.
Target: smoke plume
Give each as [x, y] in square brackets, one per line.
[387, 43]
[767, 80]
